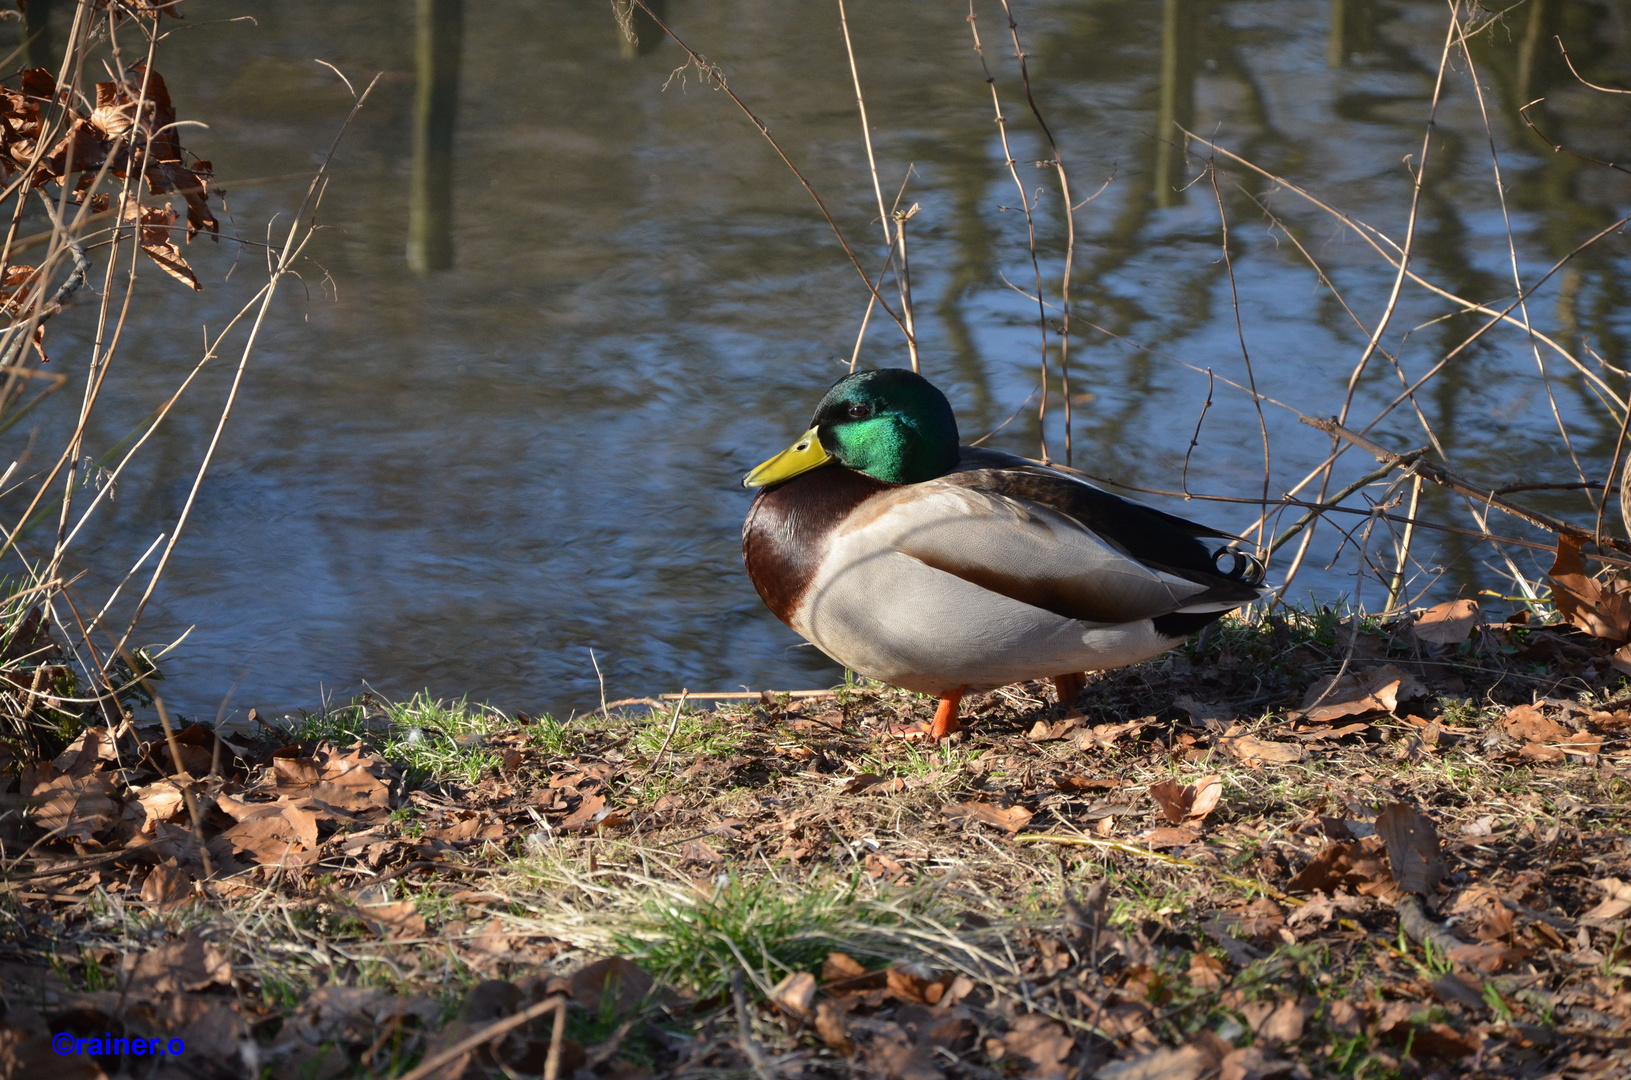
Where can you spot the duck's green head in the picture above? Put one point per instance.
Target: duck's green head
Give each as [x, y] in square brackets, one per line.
[892, 425]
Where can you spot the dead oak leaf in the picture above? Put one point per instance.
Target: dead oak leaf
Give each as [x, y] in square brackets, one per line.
[273, 834]
[1448, 623]
[1360, 867]
[584, 815]
[795, 994]
[159, 801]
[184, 965]
[1378, 689]
[1010, 819]
[613, 984]
[1616, 904]
[1189, 802]
[397, 921]
[1162, 838]
[1412, 845]
[349, 781]
[1042, 1043]
[1529, 724]
[71, 807]
[166, 885]
[1253, 751]
[1601, 609]
[1168, 1063]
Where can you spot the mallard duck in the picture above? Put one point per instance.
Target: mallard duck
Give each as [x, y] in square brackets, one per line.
[942, 568]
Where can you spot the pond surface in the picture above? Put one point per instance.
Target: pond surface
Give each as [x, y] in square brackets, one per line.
[466, 480]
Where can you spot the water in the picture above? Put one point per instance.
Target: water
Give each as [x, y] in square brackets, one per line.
[465, 480]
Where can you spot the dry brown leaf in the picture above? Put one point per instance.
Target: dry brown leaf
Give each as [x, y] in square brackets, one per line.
[1412, 848]
[397, 920]
[1583, 743]
[1103, 735]
[1042, 1043]
[860, 783]
[1170, 1063]
[183, 965]
[1541, 752]
[1359, 867]
[1378, 689]
[614, 976]
[839, 967]
[1618, 901]
[273, 834]
[911, 987]
[1529, 724]
[1601, 609]
[1326, 907]
[1205, 971]
[701, 851]
[833, 1027]
[166, 885]
[1077, 782]
[24, 1055]
[1621, 660]
[794, 994]
[1159, 839]
[341, 780]
[74, 807]
[584, 815]
[1253, 1063]
[1190, 802]
[1284, 1025]
[208, 1029]
[1437, 1041]
[156, 225]
[1448, 623]
[1010, 819]
[1251, 750]
[91, 746]
[891, 1052]
[1042, 731]
[159, 801]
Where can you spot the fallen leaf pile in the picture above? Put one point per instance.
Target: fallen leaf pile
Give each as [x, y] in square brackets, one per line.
[1430, 879]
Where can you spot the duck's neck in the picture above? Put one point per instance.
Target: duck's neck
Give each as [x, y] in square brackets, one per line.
[788, 528]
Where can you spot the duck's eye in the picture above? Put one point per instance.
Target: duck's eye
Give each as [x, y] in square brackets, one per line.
[860, 412]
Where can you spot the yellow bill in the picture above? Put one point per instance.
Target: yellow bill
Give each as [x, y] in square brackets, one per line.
[801, 457]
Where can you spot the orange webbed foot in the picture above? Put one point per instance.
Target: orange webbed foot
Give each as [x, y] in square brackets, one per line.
[1069, 687]
[945, 717]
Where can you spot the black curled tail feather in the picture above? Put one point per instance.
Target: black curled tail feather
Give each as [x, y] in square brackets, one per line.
[1246, 569]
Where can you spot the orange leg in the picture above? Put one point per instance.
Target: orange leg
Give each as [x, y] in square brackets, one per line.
[1069, 687]
[945, 717]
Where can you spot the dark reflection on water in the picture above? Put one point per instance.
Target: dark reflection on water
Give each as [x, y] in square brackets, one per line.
[466, 480]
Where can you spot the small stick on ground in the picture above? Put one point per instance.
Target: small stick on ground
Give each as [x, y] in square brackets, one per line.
[750, 1046]
[673, 725]
[493, 1031]
[1397, 584]
[552, 1063]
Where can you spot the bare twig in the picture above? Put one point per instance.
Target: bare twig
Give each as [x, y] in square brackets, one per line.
[883, 215]
[1455, 483]
[1058, 164]
[487, 1034]
[1030, 226]
[718, 78]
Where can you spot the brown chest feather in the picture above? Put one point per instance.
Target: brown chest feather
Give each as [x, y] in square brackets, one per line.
[788, 528]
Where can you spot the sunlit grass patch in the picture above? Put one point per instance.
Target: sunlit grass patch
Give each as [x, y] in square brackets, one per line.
[699, 940]
[430, 738]
[697, 731]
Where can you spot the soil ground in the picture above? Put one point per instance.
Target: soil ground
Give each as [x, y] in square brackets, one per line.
[1307, 847]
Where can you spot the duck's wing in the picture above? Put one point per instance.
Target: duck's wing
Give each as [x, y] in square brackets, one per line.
[986, 531]
[1149, 535]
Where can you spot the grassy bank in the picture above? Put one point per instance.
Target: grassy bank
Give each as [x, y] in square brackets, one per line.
[1189, 875]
